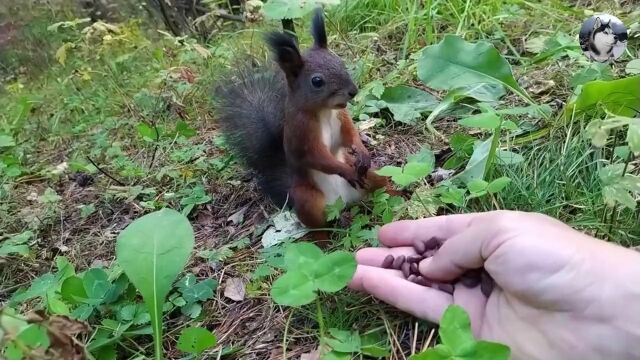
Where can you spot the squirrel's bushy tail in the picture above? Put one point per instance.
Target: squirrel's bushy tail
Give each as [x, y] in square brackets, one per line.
[249, 106]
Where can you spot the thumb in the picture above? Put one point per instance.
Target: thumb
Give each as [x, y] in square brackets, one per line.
[464, 251]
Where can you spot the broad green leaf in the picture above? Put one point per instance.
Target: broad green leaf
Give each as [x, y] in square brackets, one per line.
[292, 9]
[485, 92]
[620, 97]
[293, 289]
[488, 120]
[8, 249]
[195, 340]
[302, 256]
[335, 355]
[375, 344]
[96, 283]
[6, 141]
[630, 182]
[477, 185]
[633, 67]
[633, 136]
[147, 132]
[611, 173]
[65, 268]
[453, 195]
[417, 170]
[477, 163]
[56, 306]
[595, 71]
[622, 152]
[455, 63]
[106, 353]
[498, 184]
[462, 143]
[455, 329]
[334, 271]
[12, 351]
[407, 103]
[82, 312]
[39, 288]
[35, 336]
[616, 193]
[152, 251]
[183, 129]
[533, 111]
[557, 46]
[389, 171]
[404, 179]
[509, 125]
[423, 156]
[344, 341]
[506, 157]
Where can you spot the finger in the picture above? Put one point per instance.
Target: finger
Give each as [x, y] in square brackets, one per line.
[465, 251]
[420, 301]
[406, 232]
[375, 256]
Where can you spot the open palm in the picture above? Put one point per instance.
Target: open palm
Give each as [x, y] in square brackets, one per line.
[559, 294]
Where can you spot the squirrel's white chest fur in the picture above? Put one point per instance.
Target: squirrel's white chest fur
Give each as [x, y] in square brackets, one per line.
[333, 186]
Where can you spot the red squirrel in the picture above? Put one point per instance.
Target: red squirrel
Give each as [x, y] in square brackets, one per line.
[293, 129]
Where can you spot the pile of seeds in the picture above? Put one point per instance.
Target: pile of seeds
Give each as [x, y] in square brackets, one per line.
[426, 249]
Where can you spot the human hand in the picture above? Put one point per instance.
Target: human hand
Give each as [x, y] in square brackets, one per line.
[559, 294]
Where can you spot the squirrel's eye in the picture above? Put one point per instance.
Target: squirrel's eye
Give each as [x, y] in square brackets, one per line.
[317, 81]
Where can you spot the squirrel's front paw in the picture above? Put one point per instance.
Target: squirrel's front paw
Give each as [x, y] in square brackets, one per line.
[362, 161]
[354, 179]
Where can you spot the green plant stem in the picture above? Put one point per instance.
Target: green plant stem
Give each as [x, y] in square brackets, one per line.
[320, 319]
[492, 151]
[284, 337]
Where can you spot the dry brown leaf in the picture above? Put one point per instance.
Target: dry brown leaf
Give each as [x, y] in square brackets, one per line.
[62, 332]
[235, 289]
[314, 355]
[237, 217]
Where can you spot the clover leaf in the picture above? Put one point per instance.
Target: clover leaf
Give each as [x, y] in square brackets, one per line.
[310, 270]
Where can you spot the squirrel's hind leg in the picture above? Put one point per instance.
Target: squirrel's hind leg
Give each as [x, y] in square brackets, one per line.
[309, 205]
[375, 182]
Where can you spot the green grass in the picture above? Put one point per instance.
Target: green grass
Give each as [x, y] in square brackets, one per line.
[104, 104]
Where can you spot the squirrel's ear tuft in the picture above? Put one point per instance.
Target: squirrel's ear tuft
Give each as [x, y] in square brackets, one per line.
[318, 30]
[286, 53]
